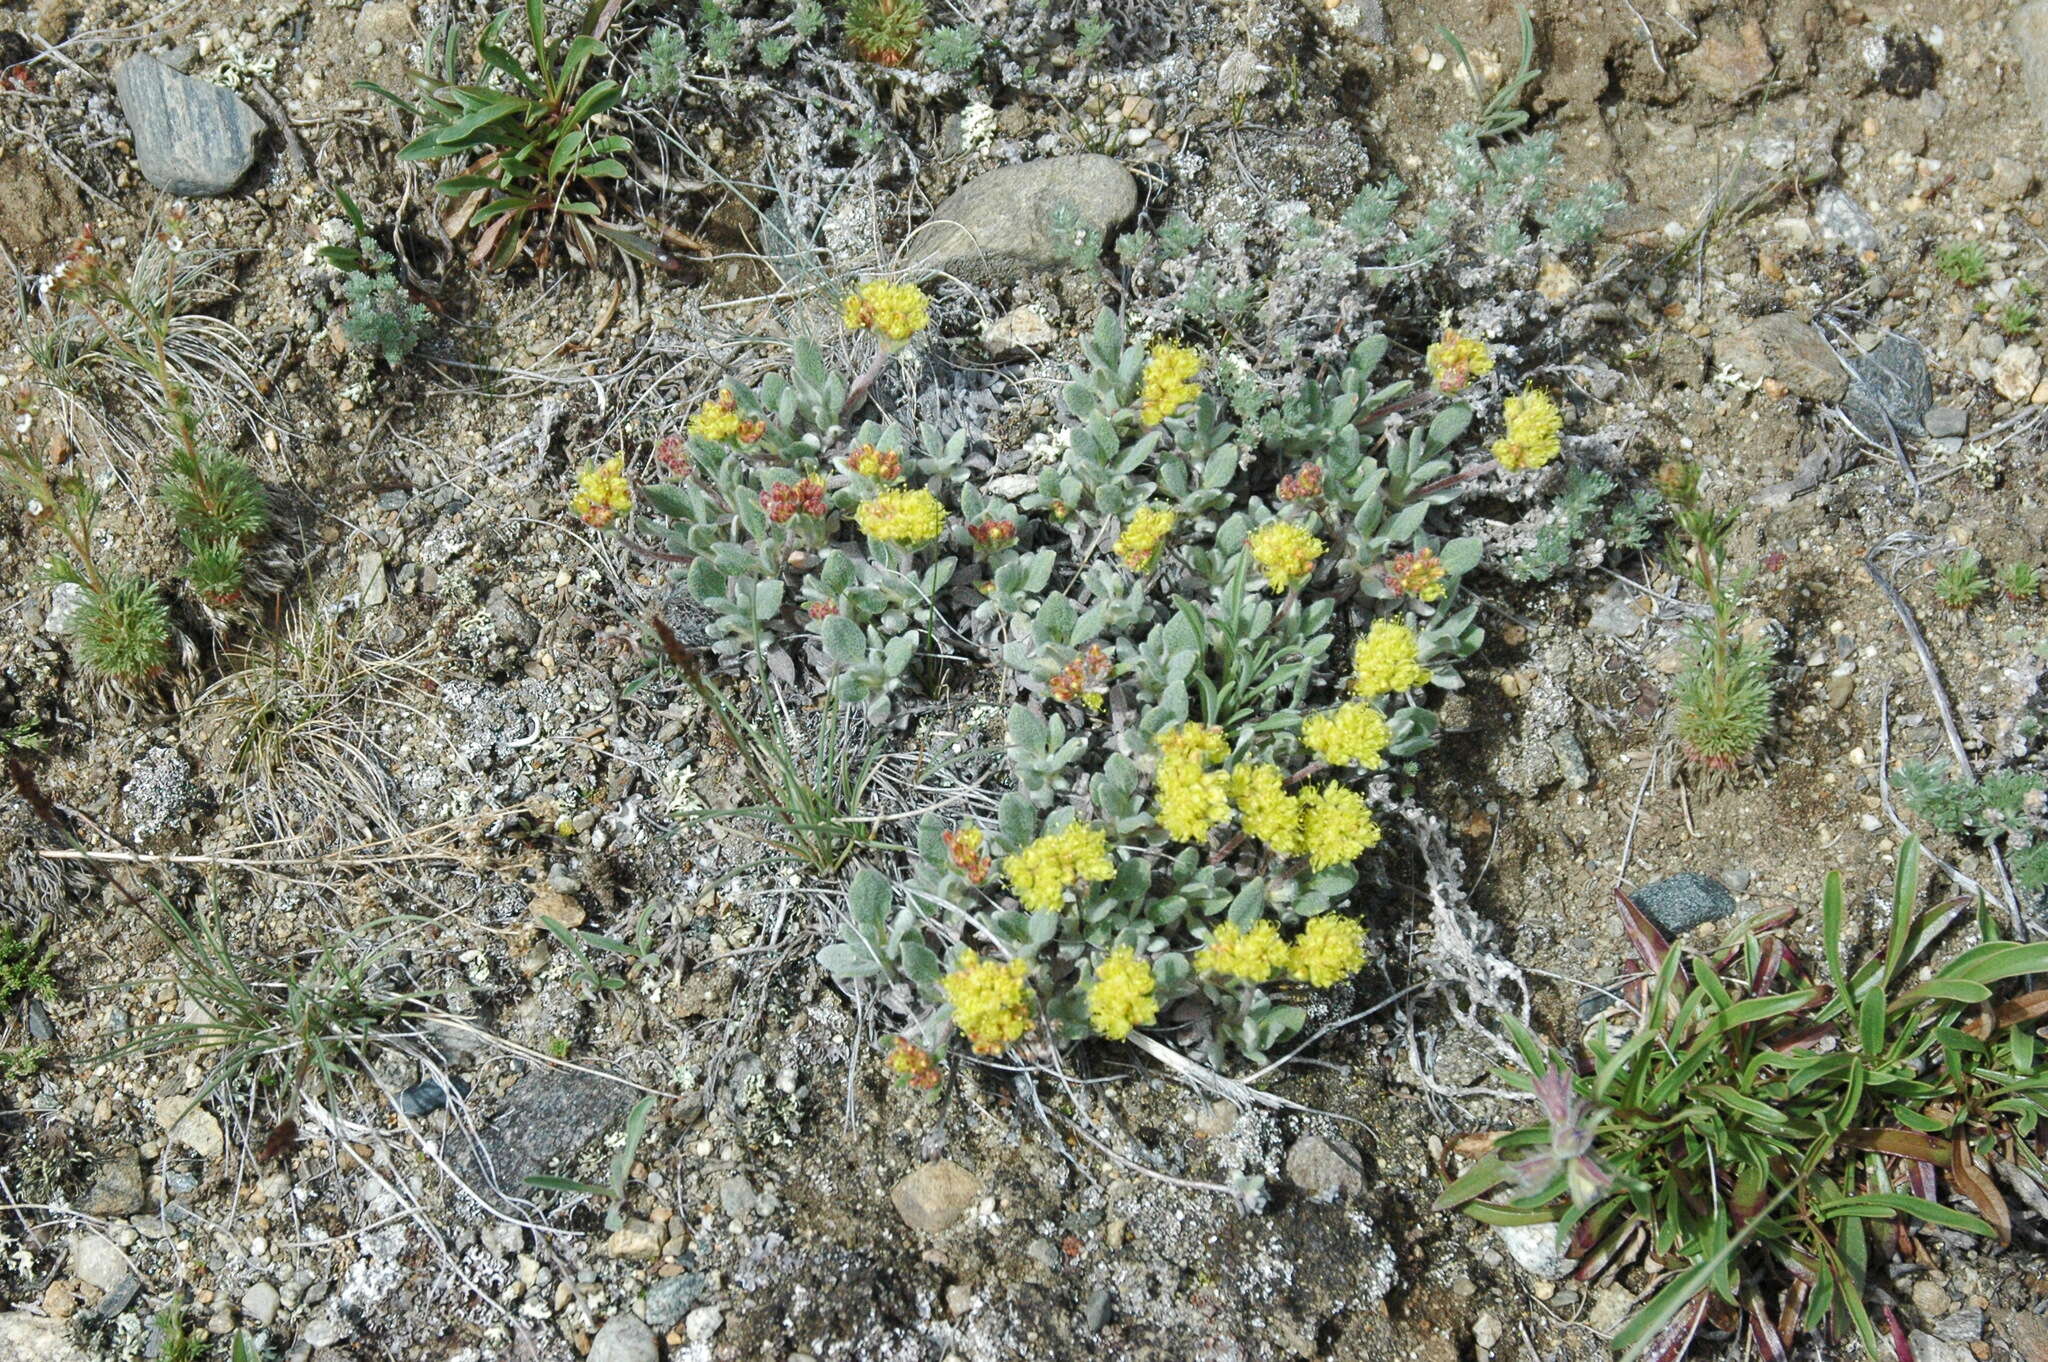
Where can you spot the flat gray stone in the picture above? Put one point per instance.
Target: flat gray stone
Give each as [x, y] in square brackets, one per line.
[1683, 901]
[549, 1114]
[96, 1262]
[933, 1196]
[671, 1298]
[1326, 1167]
[191, 138]
[1943, 422]
[1534, 1249]
[117, 1186]
[623, 1339]
[1785, 346]
[1000, 223]
[46, 1340]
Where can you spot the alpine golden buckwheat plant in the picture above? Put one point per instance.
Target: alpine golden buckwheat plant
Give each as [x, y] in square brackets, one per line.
[1198, 781]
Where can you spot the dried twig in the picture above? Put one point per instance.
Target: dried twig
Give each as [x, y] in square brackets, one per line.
[1948, 715]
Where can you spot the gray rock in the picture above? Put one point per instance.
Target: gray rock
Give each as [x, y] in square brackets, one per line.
[191, 137]
[1326, 1167]
[671, 1298]
[187, 1123]
[66, 600]
[703, 1324]
[1000, 223]
[96, 1262]
[1534, 1249]
[550, 1113]
[1945, 422]
[1680, 902]
[424, 1098]
[933, 1196]
[2010, 179]
[1615, 615]
[159, 793]
[623, 1339]
[1019, 331]
[117, 1187]
[1843, 219]
[1785, 346]
[736, 1196]
[2029, 32]
[514, 625]
[1889, 388]
[32, 1336]
[370, 584]
[259, 1305]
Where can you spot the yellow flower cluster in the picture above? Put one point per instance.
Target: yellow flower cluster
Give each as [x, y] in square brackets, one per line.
[1139, 544]
[907, 518]
[1122, 997]
[1265, 810]
[991, 1005]
[1420, 574]
[1353, 734]
[895, 312]
[1387, 660]
[602, 492]
[1336, 825]
[1169, 381]
[1285, 552]
[1456, 360]
[1532, 438]
[1329, 948]
[719, 420]
[883, 465]
[1041, 872]
[1192, 799]
[1254, 956]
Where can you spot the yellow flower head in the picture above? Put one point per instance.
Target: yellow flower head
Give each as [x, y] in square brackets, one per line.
[991, 1005]
[907, 518]
[1285, 552]
[1456, 360]
[1329, 948]
[1202, 741]
[1265, 809]
[1041, 872]
[895, 312]
[1139, 544]
[1254, 956]
[719, 420]
[1386, 660]
[1122, 996]
[602, 492]
[1336, 825]
[883, 465]
[1169, 381]
[1533, 425]
[963, 849]
[1353, 734]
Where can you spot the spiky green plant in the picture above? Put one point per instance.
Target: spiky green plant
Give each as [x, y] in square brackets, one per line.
[1725, 691]
[2019, 582]
[123, 631]
[220, 508]
[1960, 582]
[1763, 1134]
[885, 32]
[1962, 263]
